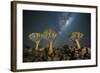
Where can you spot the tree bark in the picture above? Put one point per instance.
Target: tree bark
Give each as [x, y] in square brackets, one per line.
[50, 47]
[37, 45]
[77, 44]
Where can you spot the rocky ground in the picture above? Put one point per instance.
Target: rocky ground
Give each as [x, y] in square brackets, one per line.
[64, 53]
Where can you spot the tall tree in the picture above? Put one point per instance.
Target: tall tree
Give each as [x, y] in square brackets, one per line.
[36, 37]
[50, 35]
[75, 37]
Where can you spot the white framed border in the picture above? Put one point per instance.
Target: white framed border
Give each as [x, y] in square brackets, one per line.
[38, 65]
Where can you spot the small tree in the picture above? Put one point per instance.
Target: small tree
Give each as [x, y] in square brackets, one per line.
[50, 35]
[75, 37]
[36, 37]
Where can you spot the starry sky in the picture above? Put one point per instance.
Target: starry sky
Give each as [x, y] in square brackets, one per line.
[62, 22]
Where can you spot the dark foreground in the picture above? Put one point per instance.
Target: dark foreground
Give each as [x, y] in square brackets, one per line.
[66, 53]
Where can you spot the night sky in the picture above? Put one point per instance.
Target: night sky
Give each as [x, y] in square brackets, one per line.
[62, 22]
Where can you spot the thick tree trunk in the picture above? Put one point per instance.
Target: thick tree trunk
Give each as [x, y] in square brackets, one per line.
[37, 45]
[77, 44]
[50, 51]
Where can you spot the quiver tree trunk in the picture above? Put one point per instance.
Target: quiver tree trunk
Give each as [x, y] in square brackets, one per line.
[50, 51]
[37, 45]
[77, 43]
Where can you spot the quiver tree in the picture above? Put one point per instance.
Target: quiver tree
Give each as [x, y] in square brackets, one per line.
[50, 35]
[75, 37]
[36, 37]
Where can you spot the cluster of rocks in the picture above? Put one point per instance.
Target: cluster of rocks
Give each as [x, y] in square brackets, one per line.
[65, 53]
